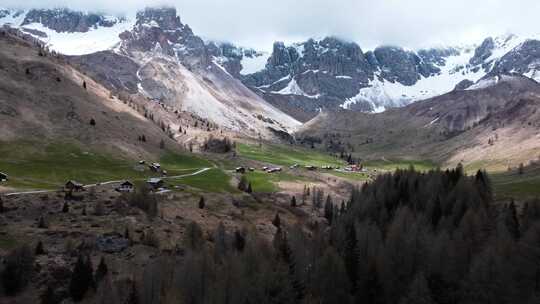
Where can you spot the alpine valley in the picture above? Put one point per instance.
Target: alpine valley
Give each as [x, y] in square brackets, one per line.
[143, 164]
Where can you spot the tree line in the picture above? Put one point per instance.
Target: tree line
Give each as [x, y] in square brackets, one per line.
[407, 237]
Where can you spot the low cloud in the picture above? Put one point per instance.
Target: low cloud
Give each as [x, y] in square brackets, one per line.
[412, 23]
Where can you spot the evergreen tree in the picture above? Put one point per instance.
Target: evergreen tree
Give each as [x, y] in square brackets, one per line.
[92, 122]
[201, 203]
[65, 208]
[101, 271]
[329, 210]
[84, 84]
[249, 189]
[133, 297]
[293, 201]
[276, 221]
[342, 208]
[49, 296]
[126, 234]
[351, 257]
[239, 241]
[81, 279]
[18, 270]
[39, 249]
[511, 220]
[193, 238]
[419, 292]
[42, 224]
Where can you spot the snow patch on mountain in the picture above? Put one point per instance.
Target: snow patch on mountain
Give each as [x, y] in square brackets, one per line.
[77, 43]
[491, 81]
[383, 94]
[293, 88]
[253, 64]
[533, 74]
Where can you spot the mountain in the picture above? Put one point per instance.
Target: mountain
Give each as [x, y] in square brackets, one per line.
[303, 78]
[154, 55]
[43, 100]
[493, 124]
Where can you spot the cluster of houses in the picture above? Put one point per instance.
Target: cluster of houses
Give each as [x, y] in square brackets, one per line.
[355, 168]
[154, 167]
[243, 170]
[155, 183]
[3, 177]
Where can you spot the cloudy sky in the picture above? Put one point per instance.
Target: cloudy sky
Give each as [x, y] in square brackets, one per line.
[408, 23]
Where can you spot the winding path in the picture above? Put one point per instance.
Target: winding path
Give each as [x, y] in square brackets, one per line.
[108, 183]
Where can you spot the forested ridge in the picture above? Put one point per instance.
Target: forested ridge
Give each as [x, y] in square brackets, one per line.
[407, 237]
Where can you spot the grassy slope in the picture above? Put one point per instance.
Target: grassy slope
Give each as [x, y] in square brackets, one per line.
[32, 166]
[213, 180]
[266, 182]
[391, 165]
[286, 155]
[511, 184]
[354, 176]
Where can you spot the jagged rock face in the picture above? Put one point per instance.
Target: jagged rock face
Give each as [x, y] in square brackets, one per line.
[437, 57]
[160, 30]
[483, 52]
[65, 20]
[116, 72]
[229, 56]
[327, 67]
[398, 65]
[522, 60]
[464, 84]
[331, 70]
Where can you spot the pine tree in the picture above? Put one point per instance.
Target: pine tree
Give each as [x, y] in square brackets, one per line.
[419, 292]
[39, 248]
[276, 221]
[65, 208]
[351, 256]
[293, 201]
[92, 122]
[201, 203]
[49, 297]
[436, 214]
[18, 270]
[193, 238]
[511, 220]
[132, 297]
[126, 234]
[101, 271]
[84, 84]
[239, 241]
[81, 279]
[329, 210]
[342, 208]
[42, 224]
[285, 254]
[249, 189]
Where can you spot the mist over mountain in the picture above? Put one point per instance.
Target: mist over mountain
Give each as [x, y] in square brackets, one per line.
[299, 78]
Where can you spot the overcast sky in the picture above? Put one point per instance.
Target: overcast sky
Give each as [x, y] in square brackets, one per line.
[408, 23]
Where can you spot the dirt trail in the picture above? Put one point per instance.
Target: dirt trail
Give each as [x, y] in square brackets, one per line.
[106, 183]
